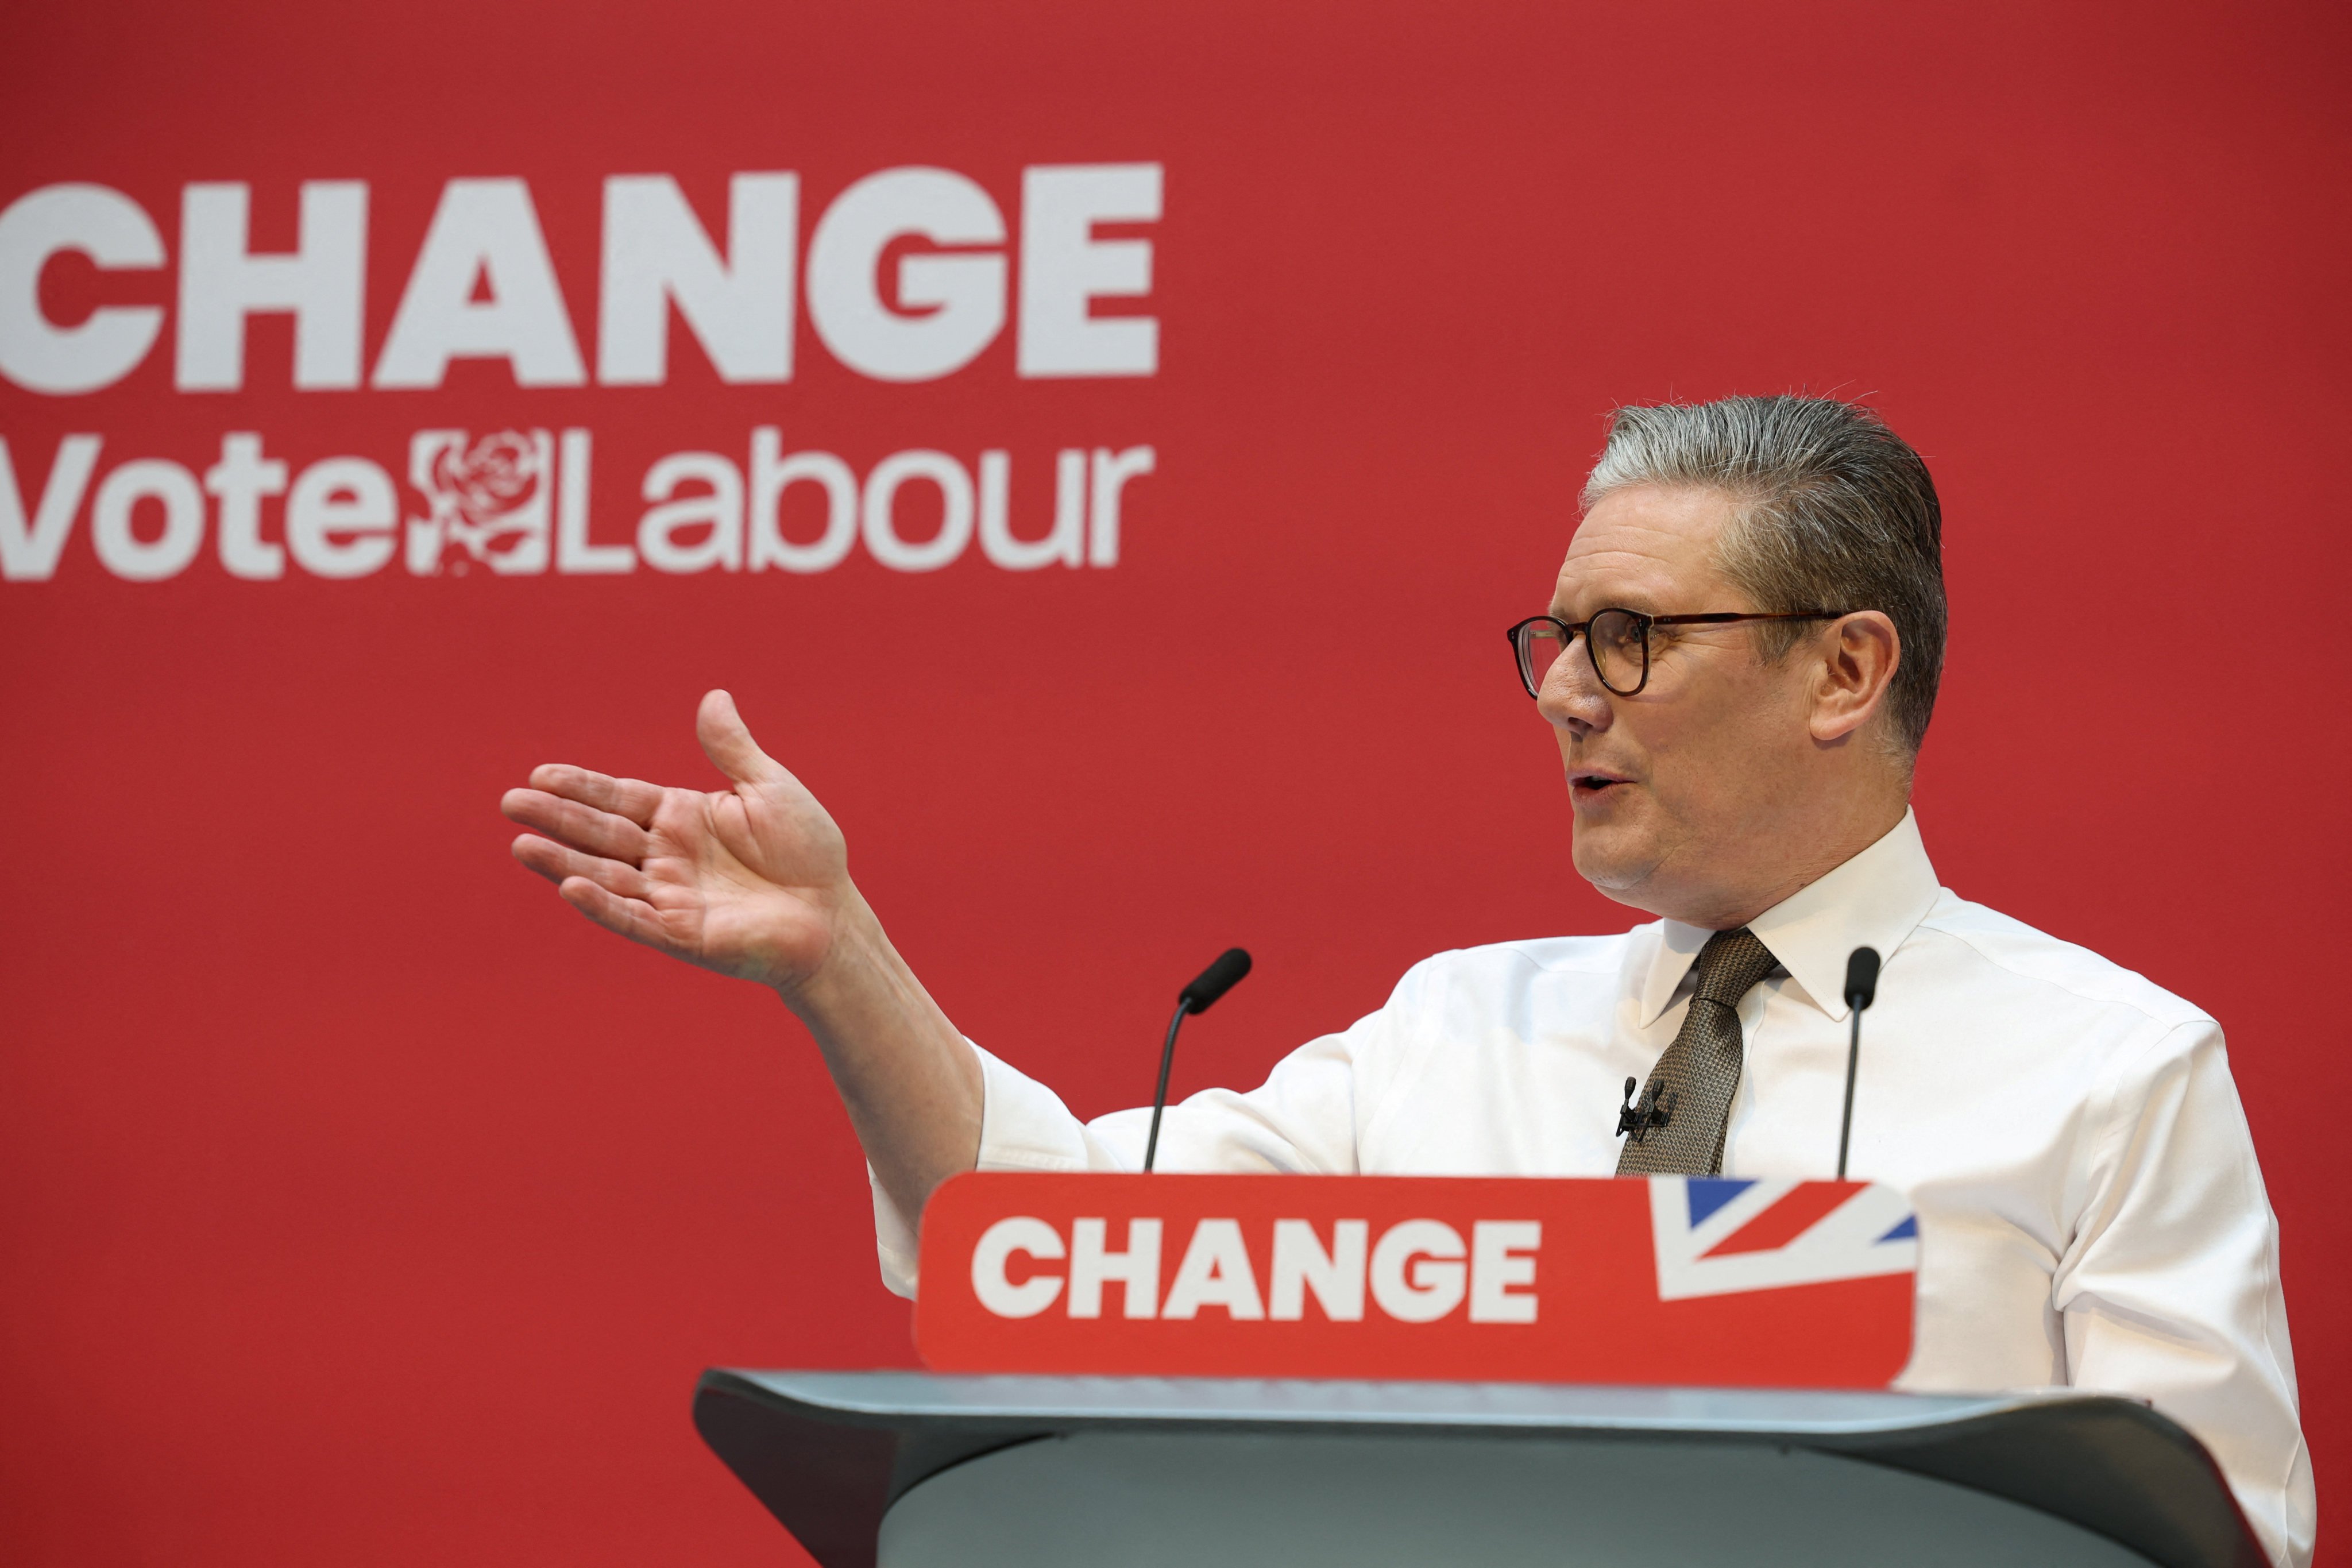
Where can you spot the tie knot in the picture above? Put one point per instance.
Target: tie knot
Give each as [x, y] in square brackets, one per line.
[1730, 963]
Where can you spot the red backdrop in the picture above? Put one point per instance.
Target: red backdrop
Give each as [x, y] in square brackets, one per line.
[365, 1205]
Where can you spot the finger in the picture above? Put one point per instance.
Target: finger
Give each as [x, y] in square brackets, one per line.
[556, 863]
[728, 742]
[581, 826]
[632, 917]
[632, 798]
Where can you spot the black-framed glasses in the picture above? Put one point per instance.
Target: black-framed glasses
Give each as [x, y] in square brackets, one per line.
[1617, 642]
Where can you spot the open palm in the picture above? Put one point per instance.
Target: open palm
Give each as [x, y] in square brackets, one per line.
[748, 881]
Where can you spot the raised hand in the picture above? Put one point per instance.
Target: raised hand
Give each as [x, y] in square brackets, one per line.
[751, 881]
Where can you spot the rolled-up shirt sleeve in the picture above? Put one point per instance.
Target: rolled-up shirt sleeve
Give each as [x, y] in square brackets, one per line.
[1305, 1118]
[2170, 1289]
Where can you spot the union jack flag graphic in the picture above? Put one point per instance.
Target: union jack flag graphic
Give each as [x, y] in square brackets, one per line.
[1717, 1236]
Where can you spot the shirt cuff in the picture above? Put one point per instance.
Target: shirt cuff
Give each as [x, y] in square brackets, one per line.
[1024, 1126]
[894, 1241]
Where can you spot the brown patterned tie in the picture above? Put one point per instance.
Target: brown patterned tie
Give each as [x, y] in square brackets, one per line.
[1686, 1104]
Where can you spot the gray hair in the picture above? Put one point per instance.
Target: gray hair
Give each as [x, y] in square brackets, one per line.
[1833, 511]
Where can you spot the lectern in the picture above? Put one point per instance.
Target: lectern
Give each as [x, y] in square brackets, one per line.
[1219, 1412]
[922, 1470]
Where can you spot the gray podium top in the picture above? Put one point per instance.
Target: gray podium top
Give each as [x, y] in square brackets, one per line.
[830, 1454]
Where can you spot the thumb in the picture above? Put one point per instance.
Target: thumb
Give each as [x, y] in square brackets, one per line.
[729, 744]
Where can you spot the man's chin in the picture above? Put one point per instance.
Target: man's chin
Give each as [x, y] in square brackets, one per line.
[1617, 863]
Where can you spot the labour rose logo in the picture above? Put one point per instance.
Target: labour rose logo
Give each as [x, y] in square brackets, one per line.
[487, 500]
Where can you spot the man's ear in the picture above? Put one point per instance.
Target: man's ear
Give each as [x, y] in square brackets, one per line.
[1858, 655]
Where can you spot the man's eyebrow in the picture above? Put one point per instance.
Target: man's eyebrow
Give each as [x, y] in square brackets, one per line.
[1640, 604]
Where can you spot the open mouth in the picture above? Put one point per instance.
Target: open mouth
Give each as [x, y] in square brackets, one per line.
[1593, 783]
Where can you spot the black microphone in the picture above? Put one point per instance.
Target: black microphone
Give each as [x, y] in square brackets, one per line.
[1211, 983]
[1861, 990]
[1232, 967]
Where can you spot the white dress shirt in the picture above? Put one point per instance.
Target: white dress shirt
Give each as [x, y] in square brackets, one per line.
[2091, 1213]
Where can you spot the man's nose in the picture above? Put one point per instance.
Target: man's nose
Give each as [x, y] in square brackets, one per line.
[1570, 695]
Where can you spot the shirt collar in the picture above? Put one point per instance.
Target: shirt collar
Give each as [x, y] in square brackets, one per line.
[1875, 899]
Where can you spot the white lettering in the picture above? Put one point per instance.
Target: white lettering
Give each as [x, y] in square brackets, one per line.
[771, 476]
[486, 230]
[964, 292]
[1137, 1269]
[998, 1243]
[238, 481]
[1111, 472]
[121, 550]
[1408, 1279]
[114, 231]
[29, 553]
[1300, 1265]
[340, 518]
[573, 552]
[907, 276]
[720, 509]
[1063, 268]
[1066, 543]
[656, 251]
[1501, 1256]
[1215, 1272]
[324, 282]
[882, 540]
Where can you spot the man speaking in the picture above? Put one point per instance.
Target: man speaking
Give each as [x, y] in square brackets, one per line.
[1738, 661]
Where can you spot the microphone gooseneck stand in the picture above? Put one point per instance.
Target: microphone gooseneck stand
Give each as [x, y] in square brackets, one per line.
[1159, 1095]
[1861, 990]
[1198, 998]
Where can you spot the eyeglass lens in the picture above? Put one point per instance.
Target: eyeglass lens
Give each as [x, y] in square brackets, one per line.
[1614, 638]
[1539, 644]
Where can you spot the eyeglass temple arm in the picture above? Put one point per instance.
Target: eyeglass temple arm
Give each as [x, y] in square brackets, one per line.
[1722, 616]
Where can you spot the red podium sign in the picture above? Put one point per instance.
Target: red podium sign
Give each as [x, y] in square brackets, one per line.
[1665, 1280]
